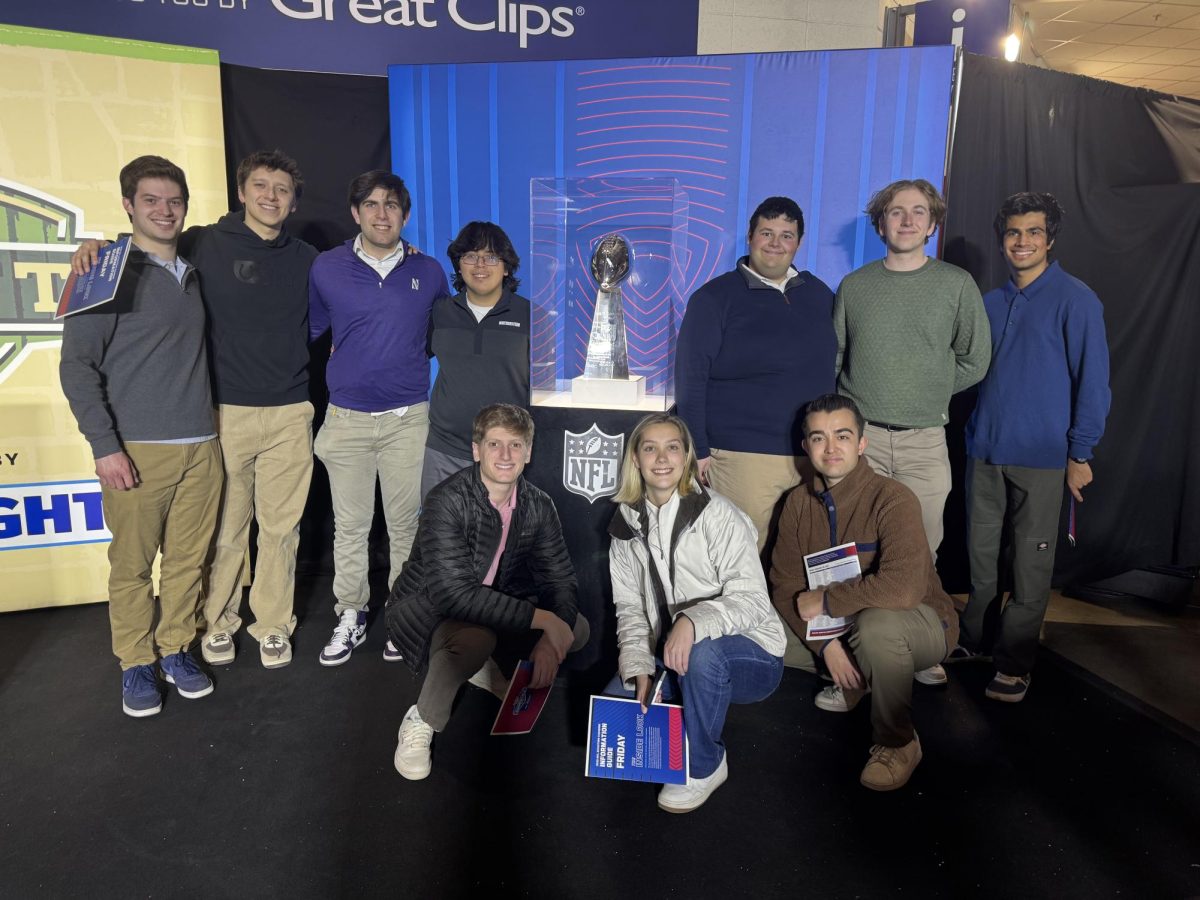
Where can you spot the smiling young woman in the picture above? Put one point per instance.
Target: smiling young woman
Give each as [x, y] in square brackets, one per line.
[690, 596]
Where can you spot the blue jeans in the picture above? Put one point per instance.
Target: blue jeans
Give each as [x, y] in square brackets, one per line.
[724, 670]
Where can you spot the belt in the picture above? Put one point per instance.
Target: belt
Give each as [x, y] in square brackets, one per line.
[886, 427]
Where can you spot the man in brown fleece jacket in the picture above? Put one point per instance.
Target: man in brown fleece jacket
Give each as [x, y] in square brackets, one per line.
[904, 621]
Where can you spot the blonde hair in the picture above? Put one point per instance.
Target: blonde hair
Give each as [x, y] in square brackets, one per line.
[632, 488]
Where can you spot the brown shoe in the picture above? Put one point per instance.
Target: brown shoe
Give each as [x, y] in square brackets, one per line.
[891, 767]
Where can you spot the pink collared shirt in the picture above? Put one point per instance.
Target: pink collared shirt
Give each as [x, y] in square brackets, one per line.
[506, 514]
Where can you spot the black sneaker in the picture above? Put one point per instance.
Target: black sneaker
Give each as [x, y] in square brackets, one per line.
[964, 654]
[1007, 688]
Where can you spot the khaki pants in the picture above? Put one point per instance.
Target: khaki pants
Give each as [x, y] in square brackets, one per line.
[754, 482]
[268, 467]
[355, 448]
[889, 646]
[173, 508]
[916, 458]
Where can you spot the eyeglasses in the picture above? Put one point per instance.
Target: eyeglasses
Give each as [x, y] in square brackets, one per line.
[474, 259]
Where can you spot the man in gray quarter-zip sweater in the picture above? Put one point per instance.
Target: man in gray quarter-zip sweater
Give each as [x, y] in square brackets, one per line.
[911, 332]
[135, 373]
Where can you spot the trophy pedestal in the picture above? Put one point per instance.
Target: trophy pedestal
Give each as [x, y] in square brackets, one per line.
[626, 392]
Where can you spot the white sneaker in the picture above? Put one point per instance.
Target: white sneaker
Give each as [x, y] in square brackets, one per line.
[413, 756]
[491, 679]
[834, 699]
[275, 651]
[934, 675]
[351, 630]
[683, 798]
[217, 648]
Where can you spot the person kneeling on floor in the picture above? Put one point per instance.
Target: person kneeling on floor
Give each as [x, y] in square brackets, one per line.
[489, 573]
[903, 621]
[690, 595]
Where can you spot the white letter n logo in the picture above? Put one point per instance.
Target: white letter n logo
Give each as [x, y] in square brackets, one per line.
[416, 284]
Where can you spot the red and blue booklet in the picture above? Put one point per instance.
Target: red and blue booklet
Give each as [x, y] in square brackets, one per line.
[522, 704]
[99, 285]
[625, 743]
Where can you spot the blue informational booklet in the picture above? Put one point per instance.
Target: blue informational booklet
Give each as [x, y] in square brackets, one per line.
[99, 285]
[627, 744]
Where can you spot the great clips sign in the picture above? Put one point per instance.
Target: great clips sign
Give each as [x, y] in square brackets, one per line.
[366, 36]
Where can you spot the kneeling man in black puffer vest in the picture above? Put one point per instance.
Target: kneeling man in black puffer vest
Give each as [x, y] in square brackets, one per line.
[489, 574]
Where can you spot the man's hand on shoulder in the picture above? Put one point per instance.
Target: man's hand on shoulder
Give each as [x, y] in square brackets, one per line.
[86, 256]
[117, 471]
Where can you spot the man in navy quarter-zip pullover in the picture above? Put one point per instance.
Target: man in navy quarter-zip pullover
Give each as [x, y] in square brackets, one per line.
[375, 294]
[1040, 412]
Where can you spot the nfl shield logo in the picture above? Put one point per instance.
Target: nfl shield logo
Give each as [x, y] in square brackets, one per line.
[591, 461]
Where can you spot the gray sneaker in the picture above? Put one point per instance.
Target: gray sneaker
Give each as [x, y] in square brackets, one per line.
[275, 651]
[217, 648]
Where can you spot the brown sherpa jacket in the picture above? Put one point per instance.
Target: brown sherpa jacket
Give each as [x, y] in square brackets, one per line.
[883, 517]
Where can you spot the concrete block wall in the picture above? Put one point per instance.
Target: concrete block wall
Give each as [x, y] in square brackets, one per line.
[765, 26]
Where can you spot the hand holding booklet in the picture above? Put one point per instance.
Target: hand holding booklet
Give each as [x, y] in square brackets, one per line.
[99, 285]
[630, 745]
[827, 567]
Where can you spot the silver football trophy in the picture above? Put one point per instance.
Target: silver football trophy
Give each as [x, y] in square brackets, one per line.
[605, 378]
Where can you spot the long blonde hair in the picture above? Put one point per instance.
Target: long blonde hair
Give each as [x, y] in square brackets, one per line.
[632, 488]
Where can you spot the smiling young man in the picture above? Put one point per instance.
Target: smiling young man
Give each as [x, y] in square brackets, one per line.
[489, 574]
[135, 372]
[903, 621]
[375, 294]
[255, 279]
[1040, 413]
[481, 340]
[755, 345]
[911, 332]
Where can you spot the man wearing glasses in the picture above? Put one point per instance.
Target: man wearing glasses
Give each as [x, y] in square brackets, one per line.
[481, 340]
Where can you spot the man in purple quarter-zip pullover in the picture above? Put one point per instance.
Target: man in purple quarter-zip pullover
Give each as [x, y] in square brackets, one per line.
[375, 294]
[1041, 411]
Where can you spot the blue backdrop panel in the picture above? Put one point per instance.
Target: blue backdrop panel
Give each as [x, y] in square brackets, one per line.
[826, 128]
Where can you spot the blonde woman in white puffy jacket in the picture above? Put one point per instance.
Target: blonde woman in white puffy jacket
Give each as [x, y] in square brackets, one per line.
[691, 596]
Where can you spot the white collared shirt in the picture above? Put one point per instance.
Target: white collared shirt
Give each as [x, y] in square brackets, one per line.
[792, 272]
[383, 266]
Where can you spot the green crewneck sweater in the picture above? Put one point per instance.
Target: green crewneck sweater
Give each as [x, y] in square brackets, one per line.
[907, 341]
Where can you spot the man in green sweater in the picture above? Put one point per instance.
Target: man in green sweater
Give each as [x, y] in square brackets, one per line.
[911, 332]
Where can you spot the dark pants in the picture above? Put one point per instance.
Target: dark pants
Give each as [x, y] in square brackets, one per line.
[1031, 500]
[458, 650]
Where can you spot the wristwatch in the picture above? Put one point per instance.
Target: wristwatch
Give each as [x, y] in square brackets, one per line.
[1077, 459]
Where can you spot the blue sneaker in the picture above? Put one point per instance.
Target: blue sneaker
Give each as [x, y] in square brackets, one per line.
[189, 679]
[140, 695]
[351, 631]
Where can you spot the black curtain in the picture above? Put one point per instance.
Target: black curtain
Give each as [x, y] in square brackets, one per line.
[1125, 164]
[335, 127]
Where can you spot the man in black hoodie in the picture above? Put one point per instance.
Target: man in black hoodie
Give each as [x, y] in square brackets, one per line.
[255, 282]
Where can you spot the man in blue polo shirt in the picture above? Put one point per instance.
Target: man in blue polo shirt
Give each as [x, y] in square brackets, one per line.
[1040, 412]
[375, 293]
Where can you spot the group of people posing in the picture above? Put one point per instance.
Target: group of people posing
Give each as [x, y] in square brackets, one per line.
[191, 387]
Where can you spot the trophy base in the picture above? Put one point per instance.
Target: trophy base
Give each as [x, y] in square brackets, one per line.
[608, 391]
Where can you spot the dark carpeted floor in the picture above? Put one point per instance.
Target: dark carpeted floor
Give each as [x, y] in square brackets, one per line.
[280, 784]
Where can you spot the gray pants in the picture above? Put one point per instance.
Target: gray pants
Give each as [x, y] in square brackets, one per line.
[1032, 501]
[439, 466]
[889, 645]
[458, 650]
